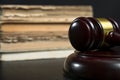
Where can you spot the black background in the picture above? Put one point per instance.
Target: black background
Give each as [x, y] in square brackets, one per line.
[102, 8]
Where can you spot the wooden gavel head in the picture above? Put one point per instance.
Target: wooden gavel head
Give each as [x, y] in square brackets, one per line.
[94, 33]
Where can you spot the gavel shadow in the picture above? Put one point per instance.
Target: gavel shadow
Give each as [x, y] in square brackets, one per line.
[108, 52]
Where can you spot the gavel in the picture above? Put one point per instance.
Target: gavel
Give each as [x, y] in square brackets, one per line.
[87, 33]
[94, 58]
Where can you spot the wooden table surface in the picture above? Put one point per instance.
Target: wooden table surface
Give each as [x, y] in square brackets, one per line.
[51, 69]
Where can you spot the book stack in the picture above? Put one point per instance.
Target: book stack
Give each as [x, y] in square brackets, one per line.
[26, 28]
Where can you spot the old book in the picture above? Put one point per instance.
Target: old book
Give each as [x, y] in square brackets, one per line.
[37, 28]
[43, 14]
[34, 37]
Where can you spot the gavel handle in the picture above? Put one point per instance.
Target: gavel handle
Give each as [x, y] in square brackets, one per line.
[113, 38]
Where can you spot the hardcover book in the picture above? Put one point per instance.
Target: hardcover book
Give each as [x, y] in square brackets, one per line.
[37, 28]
